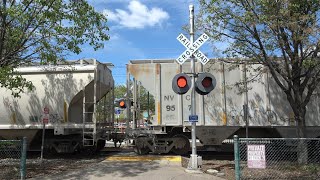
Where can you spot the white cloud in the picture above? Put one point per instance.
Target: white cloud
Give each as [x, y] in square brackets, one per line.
[137, 16]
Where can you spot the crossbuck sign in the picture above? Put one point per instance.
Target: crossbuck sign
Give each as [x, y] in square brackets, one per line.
[192, 49]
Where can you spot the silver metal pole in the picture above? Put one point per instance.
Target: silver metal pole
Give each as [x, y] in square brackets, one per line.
[148, 106]
[245, 107]
[111, 101]
[128, 99]
[23, 158]
[42, 144]
[139, 105]
[193, 157]
[94, 115]
[134, 115]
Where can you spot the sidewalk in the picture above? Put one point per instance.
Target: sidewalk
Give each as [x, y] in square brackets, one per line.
[133, 170]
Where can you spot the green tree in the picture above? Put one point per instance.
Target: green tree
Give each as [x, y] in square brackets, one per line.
[120, 91]
[282, 35]
[44, 31]
[146, 100]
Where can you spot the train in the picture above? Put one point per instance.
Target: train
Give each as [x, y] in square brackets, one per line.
[220, 112]
[72, 102]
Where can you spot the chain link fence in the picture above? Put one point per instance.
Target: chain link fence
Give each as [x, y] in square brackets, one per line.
[13, 159]
[277, 158]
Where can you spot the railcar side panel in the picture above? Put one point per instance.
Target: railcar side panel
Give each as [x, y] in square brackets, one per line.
[267, 104]
[61, 90]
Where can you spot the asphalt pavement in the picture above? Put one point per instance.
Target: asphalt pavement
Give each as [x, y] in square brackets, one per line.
[129, 167]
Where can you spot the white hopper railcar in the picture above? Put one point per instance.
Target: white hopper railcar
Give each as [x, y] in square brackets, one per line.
[220, 112]
[67, 96]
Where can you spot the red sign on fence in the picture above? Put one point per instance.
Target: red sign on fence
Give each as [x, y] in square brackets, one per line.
[45, 120]
[46, 110]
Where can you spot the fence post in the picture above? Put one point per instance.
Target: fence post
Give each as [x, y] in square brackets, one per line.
[236, 157]
[23, 158]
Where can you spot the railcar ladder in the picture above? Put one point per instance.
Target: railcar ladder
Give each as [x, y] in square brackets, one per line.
[89, 127]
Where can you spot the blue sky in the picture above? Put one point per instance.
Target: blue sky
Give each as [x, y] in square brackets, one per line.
[140, 29]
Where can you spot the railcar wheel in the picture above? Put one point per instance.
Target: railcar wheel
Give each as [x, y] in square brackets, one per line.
[140, 147]
[182, 144]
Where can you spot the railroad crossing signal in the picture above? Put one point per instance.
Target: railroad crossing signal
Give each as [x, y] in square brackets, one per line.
[192, 49]
[122, 103]
[181, 83]
[205, 83]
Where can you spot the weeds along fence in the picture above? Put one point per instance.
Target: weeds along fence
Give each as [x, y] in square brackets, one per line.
[277, 158]
[13, 159]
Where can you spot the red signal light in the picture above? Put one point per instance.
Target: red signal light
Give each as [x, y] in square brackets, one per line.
[206, 82]
[182, 82]
[122, 103]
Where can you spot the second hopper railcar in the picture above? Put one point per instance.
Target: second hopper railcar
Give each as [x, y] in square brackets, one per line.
[220, 112]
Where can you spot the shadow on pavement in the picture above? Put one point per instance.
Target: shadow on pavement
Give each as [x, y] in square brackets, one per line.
[108, 170]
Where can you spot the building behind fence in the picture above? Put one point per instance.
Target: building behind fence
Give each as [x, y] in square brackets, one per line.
[13, 159]
[277, 158]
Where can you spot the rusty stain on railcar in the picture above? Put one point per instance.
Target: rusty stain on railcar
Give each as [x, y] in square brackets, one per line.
[158, 68]
[224, 118]
[159, 113]
[140, 69]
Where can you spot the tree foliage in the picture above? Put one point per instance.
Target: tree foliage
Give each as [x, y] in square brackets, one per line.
[144, 100]
[280, 34]
[44, 31]
[120, 91]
